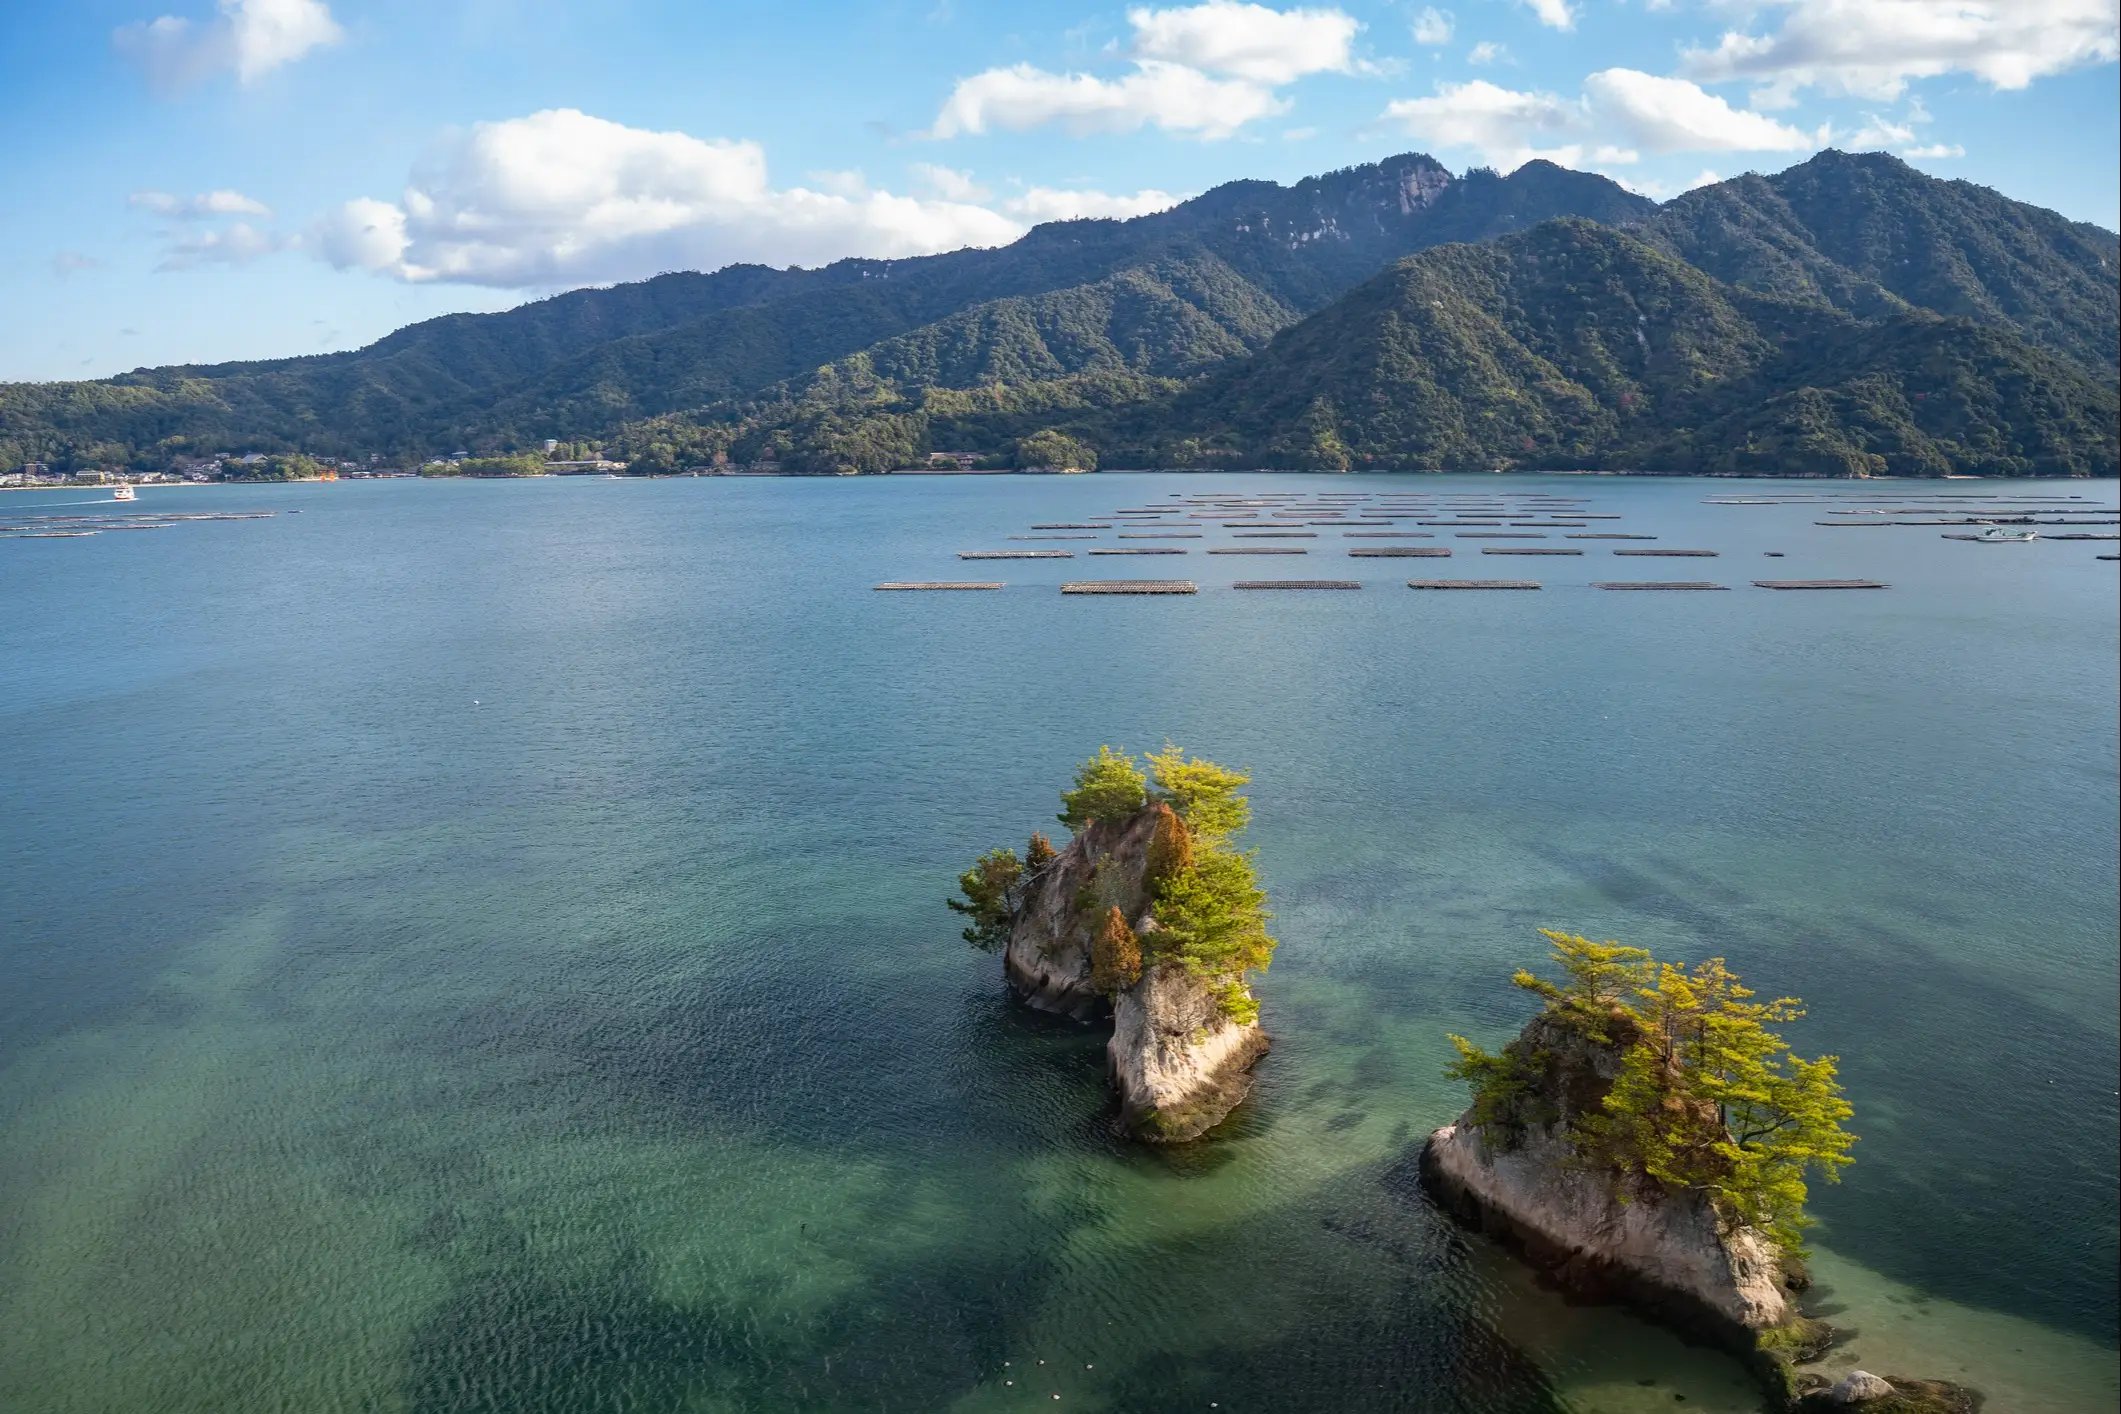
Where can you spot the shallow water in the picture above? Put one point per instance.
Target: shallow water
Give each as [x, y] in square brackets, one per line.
[480, 946]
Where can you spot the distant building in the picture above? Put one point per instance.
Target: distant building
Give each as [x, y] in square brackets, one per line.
[963, 461]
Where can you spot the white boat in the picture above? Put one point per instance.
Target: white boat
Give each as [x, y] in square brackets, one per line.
[1997, 534]
[124, 493]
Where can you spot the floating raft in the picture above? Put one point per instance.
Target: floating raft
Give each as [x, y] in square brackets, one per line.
[1261, 550]
[1696, 554]
[1610, 535]
[941, 584]
[1526, 550]
[1821, 584]
[1141, 550]
[1160, 535]
[1275, 535]
[1072, 525]
[1053, 537]
[1130, 586]
[1385, 535]
[1498, 535]
[1398, 552]
[1472, 584]
[1658, 584]
[1017, 554]
[1297, 584]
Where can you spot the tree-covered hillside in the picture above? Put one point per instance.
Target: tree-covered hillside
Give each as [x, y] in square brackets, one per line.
[1571, 345]
[1787, 322]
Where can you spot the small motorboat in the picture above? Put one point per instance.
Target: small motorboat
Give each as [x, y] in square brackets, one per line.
[124, 493]
[1997, 535]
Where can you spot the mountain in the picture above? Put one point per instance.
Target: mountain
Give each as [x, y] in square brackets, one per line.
[578, 365]
[1869, 234]
[1261, 323]
[1575, 345]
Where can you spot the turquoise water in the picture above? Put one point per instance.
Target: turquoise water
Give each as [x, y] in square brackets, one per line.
[480, 947]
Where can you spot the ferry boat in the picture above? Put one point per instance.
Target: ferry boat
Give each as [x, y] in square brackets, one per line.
[124, 492]
[1996, 535]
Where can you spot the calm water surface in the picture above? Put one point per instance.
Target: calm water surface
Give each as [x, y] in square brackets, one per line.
[480, 947]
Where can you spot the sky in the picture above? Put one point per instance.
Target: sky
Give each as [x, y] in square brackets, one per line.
[196, 181]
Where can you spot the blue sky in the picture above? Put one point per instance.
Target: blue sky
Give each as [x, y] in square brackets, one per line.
[203, 180]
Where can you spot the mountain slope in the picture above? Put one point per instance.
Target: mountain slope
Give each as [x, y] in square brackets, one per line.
[1571, 345]
[1867, 233]
[580, 364]
[1578, 345]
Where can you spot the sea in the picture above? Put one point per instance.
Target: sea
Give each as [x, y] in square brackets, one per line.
[482, 946]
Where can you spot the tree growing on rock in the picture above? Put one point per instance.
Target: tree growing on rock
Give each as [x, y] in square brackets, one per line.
[1705, 1097]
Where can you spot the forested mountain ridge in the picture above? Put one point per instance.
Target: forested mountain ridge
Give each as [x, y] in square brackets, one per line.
[580, 364]
[1867, 232]
[1152, 338]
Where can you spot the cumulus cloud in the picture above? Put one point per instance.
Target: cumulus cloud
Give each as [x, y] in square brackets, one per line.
[1555, 14]
[1201, 70]
[947, 182]
[1054, 204]
[1252, 42]
[1672, 115]
[563, 198]
[1505, 127]
[1486, 52]
[1872, 48]
[1620, 112]
[1934, 151]
[205, 206]
[1170, 96]
[249, 38]
[1433, 26]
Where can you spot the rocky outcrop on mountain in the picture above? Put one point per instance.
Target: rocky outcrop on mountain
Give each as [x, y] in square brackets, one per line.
[1179, 1061]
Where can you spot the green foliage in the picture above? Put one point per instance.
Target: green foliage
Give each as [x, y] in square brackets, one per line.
[993, 890]
[1212, 920]
[1707, 1098]
[1203, 793]
[1109, 787]
[1056, 451]
[498, 466]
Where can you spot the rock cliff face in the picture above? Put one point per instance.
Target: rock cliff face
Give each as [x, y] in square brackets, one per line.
[1179, 1064]
[1595, 1230]
[1609, 1236]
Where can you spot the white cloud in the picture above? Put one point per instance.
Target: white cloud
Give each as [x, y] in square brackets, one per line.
[1620, 111]
[1271, 47]
[1055, 204]
[1503, 126]
[237, 245]
[1486, 52]
[947, 182]
[1935, 151]
[73, 262]
[1203, 70]
[1672, 115]
[249, 38]
[1170, 96]
[204, 206]
[1872, 48]
[562, 198]
[1433, 26]
[1555, 14]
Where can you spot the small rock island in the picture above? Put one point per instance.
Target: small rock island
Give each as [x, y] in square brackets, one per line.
[1646, 1139]
[1150, 915]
